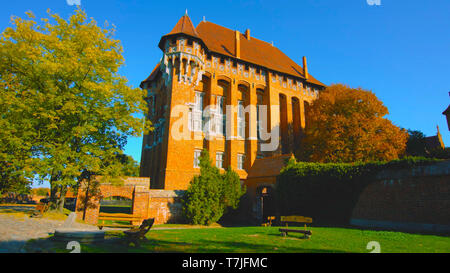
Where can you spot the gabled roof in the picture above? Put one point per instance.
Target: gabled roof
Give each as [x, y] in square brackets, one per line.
[433, 143]
[222, 40]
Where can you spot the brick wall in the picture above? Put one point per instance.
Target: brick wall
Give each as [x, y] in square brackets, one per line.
[165, 206]
[133, 188]
[416, 199]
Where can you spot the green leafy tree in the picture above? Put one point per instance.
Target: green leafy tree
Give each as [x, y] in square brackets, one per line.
[416, 146]
[211, 193]
[77, 109]
[232, 190]
[130, 167]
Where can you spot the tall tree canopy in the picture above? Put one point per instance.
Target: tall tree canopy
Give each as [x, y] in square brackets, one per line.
[348, 125]
[66, 109]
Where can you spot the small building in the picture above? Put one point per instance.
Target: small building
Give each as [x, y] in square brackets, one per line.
[433, 143]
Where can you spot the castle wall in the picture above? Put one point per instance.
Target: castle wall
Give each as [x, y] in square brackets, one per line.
[416, 199]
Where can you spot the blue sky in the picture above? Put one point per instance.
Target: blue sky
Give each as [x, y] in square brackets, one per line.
[400, 50]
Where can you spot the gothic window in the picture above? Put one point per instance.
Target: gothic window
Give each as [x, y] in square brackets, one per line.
[259, 98]
[241, 119]
[220, 120]
[197, 112]
[240, 161]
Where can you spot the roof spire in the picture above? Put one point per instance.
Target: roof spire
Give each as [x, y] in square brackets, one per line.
[186, 13]
[204, 20]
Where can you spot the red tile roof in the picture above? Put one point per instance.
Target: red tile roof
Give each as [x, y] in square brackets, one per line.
[221, 40]
[184, 26]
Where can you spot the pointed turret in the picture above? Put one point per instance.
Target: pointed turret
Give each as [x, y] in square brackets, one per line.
[183, 27]
[183, 48]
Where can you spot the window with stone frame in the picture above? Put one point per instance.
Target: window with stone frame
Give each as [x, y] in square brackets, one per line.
[240, 161]
[197, 154]
[241, 119]
[197, 113]
[219, 160]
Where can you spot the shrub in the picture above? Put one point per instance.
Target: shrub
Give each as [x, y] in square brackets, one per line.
[210, 194]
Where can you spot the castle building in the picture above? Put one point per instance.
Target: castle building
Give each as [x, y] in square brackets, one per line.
[207, 92]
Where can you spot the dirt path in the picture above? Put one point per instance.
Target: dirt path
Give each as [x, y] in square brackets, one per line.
[15, 231]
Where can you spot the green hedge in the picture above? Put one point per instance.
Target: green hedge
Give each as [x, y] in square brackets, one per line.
[327, 192]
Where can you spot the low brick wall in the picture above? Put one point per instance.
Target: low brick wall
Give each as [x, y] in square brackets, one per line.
[416, 199]
[165, 206]
[134, 188]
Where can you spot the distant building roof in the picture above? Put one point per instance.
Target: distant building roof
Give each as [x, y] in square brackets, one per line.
[434, 142]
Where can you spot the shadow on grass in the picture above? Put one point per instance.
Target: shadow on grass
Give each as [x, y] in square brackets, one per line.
[381, 229]
[115, 243]
[244, 247]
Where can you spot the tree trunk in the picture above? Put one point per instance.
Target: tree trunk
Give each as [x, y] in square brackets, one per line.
[53, 192]
[61, 199]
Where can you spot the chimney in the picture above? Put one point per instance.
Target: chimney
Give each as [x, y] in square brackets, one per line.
[247, 34]
[238, 45]
[305, 68]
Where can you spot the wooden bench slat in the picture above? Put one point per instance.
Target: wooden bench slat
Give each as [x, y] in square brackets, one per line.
[116, 214]
[296, 219]
[106, 225]
[120, 218]
[308, 232]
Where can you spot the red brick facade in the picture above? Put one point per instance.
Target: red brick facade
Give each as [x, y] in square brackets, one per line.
[210, 65]
[416, 199]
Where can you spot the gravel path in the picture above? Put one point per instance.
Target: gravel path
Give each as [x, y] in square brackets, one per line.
[16, 231]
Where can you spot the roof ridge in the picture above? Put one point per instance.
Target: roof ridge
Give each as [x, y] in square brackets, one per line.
[242, 33]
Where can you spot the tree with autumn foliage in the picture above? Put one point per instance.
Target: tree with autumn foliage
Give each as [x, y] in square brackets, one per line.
[348, 125]
[66, 112]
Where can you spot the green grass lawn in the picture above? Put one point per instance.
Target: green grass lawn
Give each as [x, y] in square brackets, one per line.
[269, 240]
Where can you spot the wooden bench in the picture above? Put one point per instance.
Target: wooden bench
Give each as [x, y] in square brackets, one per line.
[296, 219]
[39, 210]
[117, 217]
[136, 234]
